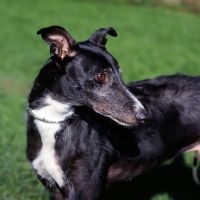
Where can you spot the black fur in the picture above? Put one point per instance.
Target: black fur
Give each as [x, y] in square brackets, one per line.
[93, 150]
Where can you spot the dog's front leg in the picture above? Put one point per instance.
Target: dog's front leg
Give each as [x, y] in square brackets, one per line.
[90, 189]
[87, 184]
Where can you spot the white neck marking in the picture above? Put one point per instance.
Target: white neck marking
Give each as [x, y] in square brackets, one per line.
[53, 112]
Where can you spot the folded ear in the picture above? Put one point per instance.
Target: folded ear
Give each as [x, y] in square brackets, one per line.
[60, 41]
[99, 36]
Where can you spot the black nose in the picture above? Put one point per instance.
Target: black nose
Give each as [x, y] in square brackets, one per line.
[142, 116]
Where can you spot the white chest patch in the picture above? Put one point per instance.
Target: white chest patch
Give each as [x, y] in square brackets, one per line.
[46, 163]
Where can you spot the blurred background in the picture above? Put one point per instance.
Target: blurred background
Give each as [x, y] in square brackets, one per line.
[155, 37]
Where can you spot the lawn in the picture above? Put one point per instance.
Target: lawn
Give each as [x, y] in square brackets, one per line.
[151, 41]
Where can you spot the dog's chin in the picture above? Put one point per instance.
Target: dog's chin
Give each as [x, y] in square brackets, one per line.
[122, 123]
[105, 114]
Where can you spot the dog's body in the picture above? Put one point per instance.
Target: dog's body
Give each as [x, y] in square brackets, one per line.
[74, 150]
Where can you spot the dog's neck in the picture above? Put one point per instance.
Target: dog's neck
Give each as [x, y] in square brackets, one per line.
[53, 111]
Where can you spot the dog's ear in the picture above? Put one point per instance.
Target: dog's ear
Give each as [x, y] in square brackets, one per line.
[60, 41]
[99, 36]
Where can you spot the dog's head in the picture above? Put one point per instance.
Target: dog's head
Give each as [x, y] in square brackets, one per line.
[85, 74]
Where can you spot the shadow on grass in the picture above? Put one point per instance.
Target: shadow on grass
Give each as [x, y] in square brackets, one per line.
[173, 182]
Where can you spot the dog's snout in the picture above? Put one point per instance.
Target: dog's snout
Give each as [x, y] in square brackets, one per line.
[142, 116]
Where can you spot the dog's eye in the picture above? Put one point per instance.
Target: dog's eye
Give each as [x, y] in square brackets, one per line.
[100, 77]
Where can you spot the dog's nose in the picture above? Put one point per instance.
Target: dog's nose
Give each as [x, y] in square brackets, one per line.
[142, 116]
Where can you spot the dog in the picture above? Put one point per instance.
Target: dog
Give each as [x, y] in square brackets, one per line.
[77, 75]
[86, 129]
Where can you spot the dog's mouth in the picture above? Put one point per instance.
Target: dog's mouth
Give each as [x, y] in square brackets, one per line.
[129, 122]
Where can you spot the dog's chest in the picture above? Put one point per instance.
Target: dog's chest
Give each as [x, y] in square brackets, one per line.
[46, 163]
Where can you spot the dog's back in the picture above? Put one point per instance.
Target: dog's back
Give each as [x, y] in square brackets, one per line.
[173, 104]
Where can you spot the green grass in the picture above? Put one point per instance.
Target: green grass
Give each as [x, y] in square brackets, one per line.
[151, 42]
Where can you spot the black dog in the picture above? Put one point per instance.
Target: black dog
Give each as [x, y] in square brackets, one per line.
[68, 150]
[76, 152]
